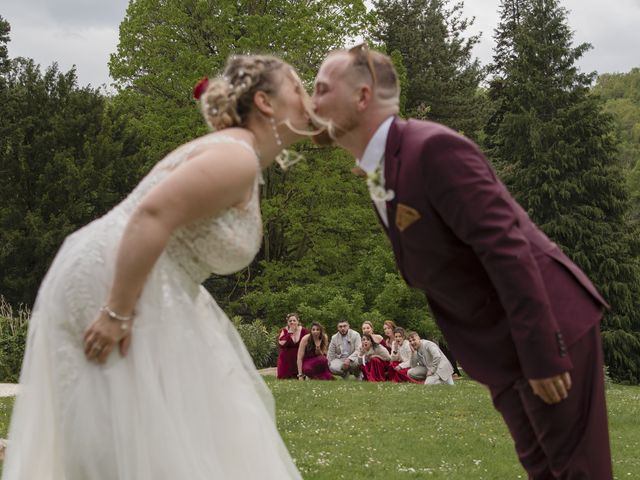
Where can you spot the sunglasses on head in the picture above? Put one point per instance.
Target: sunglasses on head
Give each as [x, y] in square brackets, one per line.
[362, 56]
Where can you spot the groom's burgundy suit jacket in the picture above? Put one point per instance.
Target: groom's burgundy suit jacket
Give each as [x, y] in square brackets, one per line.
[506, 298]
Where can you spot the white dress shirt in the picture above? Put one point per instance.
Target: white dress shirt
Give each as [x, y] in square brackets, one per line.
[374, 156]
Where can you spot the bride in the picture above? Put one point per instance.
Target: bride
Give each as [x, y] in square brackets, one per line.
[132, 371]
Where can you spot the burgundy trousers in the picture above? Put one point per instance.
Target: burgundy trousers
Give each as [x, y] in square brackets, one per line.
[568, 440]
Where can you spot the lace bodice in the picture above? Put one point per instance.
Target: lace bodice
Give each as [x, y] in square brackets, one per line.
[222, 244]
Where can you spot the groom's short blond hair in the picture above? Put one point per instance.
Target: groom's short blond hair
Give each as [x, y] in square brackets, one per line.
[377, 69]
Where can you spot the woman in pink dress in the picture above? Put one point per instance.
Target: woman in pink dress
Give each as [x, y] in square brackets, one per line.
[288, 342]
[312, 355]
[373, 359]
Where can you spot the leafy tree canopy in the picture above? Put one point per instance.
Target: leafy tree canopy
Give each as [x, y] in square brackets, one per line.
[621, 95]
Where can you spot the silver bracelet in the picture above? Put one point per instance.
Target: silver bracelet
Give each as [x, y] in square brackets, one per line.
[115, 316]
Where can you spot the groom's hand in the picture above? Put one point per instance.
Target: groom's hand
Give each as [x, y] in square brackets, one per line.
[553, 389]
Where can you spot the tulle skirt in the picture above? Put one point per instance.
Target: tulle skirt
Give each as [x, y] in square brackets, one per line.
[185, 403]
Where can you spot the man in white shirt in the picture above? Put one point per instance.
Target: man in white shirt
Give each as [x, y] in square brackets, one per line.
[343, 351]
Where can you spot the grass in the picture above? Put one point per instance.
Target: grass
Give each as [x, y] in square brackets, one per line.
[5, 415]
[358, 430]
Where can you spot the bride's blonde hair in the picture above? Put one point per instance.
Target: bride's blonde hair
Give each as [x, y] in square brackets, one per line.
[228, 99]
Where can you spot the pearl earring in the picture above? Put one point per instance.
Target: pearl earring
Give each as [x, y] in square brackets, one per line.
[286, 158]
[275, 131]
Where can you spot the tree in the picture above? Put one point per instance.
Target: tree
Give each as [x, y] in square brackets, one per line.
[621, 95]
[442, 77]
[512, 12]
[166, 46]
[5, 28]
[64, 160]
[555, 149]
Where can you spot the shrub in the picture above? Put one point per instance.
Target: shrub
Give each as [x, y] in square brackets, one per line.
[13, 337]
[260, 342]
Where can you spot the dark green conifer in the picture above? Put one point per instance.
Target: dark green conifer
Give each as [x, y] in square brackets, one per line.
[442, 76]
[554, 147]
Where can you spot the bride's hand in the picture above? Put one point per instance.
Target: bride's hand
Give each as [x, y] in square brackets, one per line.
[103, 335]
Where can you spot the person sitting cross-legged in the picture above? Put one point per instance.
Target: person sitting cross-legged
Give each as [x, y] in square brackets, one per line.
[428, 363]
[312, 355]
[400, 358]
[343, 351]
[373, 360]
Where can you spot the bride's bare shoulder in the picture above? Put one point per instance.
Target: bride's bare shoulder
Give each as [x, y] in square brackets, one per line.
[216, 140]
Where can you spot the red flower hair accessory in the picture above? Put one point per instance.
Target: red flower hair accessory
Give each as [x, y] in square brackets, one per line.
[200, 88]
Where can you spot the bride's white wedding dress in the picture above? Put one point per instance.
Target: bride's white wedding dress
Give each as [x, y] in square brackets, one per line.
[186, 403]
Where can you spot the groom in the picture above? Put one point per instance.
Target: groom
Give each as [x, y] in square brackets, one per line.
[517, 313]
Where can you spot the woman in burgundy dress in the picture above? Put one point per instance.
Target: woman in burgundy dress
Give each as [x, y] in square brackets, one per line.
[312, 355]
[288, 342]
[373, 359]
[367, 328]
[400, 358]
[389, 327]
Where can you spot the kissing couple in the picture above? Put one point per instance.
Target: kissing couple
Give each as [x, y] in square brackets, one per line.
[133, 372]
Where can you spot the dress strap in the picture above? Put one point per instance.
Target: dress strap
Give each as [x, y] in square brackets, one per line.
[222, 138]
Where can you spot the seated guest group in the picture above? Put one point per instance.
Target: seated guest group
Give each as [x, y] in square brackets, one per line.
[398, 356]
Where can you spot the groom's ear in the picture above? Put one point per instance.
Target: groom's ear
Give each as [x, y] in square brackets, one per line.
[263, 103]
[365, 95]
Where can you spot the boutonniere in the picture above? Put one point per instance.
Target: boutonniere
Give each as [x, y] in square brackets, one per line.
[375, 182]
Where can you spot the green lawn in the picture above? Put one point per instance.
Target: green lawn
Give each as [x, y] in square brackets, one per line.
[358, 430]
[5, 414]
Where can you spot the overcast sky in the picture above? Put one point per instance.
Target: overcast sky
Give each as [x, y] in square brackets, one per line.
[85, 32]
